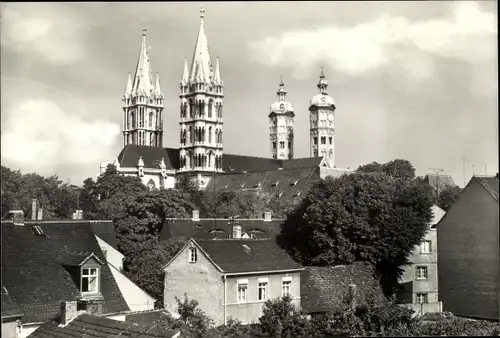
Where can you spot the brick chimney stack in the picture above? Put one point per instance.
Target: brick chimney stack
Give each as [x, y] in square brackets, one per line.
[69, 310]
[34, 204]
[236, 231]
[267, 216]
[196, 215]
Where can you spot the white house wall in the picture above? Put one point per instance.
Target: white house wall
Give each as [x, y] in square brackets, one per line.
[136, 298]
[113, 256]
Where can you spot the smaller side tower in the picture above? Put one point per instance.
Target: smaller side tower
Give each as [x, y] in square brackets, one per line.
[322, 123]
[281, 126]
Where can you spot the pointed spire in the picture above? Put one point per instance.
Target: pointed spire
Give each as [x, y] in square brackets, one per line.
[281, 91]
[322, 84]
[143, 79]
[185, 73]
[162, 163]
[201, 66]
[158, 93]
[217, 78]
[128, 90]
[140, 162]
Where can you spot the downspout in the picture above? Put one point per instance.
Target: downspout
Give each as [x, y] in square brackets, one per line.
[224, 277]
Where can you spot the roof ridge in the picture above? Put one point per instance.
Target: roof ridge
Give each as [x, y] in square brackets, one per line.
[487, 188]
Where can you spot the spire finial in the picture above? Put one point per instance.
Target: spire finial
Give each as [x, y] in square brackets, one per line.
[144, 30]
[322, 74]
[202, 12]
[281, 81]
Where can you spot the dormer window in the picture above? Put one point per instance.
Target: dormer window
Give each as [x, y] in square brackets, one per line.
[297, 194]
[90, 280]
[294, 182]
[275, 184]
[193, 255]
[257, 185]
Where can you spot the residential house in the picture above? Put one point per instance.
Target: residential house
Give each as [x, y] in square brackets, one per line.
[209, 228]
[439, 182]
[323, 288]
[468, 252]
[419, 283]
[82, 325]
[231, 277]
[11, 315]
[46, 262]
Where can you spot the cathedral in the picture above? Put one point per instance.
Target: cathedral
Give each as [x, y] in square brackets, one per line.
[200, 153]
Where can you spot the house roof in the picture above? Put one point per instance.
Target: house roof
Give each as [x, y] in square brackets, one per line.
[129, 157]
[206, 228]
[490, 183]
[322, 287]
[35, 276]
[149, 317]
[10, 308]
[89, 326]
[440, 181]
[286, 184]
[104, 229]
[240, 256]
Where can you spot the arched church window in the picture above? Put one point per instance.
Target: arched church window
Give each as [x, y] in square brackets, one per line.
[210, 106]
[151, 120]
[190, 134]
[151, 184]
[209, 134]
[330, 153]
[152, 142]
[191, 108]
[132, 120]
[210, 156]
[282, 106]
[315, 152]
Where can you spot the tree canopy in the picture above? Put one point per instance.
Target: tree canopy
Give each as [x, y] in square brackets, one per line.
[448, 196]
[376, 214]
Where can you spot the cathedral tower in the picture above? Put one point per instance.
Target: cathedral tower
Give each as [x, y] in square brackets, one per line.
[143, 104]
[281, 126]
[201, 123]
[322, 123]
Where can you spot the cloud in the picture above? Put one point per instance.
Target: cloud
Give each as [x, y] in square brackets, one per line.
[38, 133]
[49, 31]
[468, 34]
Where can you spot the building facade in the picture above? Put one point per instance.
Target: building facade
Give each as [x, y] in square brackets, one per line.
[200, 151]
[231, 277]
[468, 252]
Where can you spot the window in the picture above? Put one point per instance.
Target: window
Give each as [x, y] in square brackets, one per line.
[421, 272]
[323, 139]
[263, 283]
[90, 280]
[150, 120]
[274, 145]
[282, 144]
[421, 298]
[289, 145]
[330, 140]
[315, 139]
[193, 255]
[425, 247]
[242, 290]
[286, 283]
[315, 153]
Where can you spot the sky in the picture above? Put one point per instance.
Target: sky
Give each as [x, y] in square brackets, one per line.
[411, 80]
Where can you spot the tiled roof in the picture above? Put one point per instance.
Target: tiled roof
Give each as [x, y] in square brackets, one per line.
[149, 317]
[151, 156]
[322, 288]
[9, 305]
[104, 229]
[442, 180]
[34, 276]
[237, 255]
[287, 184]
[89, 326]
[129, 156]
[218, 228]
[490, 183]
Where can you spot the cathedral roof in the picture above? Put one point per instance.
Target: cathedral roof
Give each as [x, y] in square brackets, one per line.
[201, 66]
[151, 156]
[322, 100]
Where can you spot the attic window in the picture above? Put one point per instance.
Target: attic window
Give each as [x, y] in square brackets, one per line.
[279, 195]
[297, 194]
[275, 184]
[90, 280]
[294, 182]
[241, 186]
[37, 230]
[198, 225]
[258, 185]
[193, 255]
[246, 248]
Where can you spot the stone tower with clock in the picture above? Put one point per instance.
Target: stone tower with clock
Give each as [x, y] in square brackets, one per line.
[281, 126]
[322, 124]
[143, 105]
[201, 123]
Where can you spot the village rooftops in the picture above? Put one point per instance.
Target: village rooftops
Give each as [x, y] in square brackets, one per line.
[10, 308]
[89, 326]
[236, 256]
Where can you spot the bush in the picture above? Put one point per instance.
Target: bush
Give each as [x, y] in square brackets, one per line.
[458, 327]
[281, 318]
[193, 322]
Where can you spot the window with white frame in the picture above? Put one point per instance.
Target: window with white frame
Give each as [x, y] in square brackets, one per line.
[425, 247]
[422, 298]
[263, 287]
[422, 272]
[193, 255]
[90, 280]
[286, 285]
[242, 290]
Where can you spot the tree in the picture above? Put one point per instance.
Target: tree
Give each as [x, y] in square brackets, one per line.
[281, 318]
[448, 196]
[363, 216]
[193, 322]
[397, 168]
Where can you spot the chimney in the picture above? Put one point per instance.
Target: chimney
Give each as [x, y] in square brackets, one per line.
[236, 231]
[196, 215]
[79, 214]
[39, 214]
[93, 306]
[74, 215]
[69, 310]
[34, 203]
[267, 216]
[17, 217]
